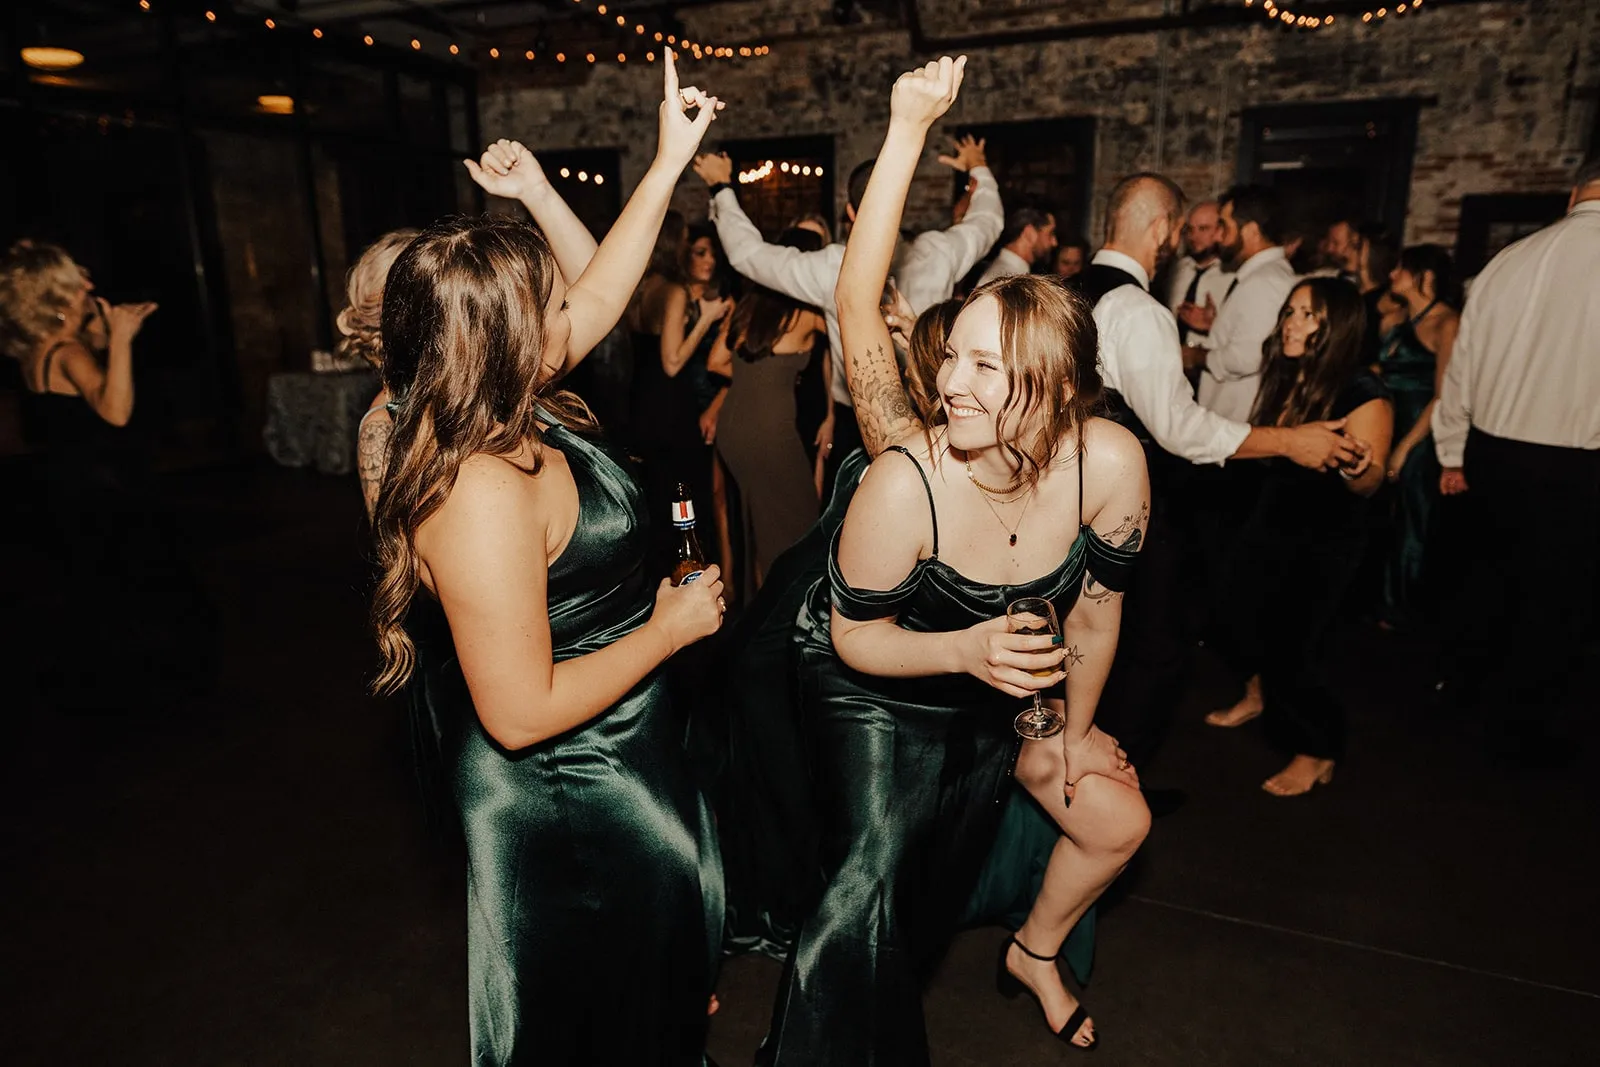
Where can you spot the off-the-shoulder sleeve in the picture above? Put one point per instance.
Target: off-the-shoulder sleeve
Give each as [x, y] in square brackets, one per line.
[864, 605]
[1110, 566]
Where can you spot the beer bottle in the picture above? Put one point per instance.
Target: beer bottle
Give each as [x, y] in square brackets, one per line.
[690, 561]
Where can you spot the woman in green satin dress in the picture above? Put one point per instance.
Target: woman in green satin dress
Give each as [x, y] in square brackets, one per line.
[1412, 362]
[910, 679]
[514, 600]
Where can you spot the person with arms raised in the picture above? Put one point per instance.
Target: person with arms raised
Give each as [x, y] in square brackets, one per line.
[1000, 486]
[514, 603]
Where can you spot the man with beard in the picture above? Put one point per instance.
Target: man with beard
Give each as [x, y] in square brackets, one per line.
[1142, 367]
[1029, 236]
[1198, 283]
[1231, 354]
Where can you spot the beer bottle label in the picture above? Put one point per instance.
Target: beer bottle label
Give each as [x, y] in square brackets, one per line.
[690, 577]
[683, 513]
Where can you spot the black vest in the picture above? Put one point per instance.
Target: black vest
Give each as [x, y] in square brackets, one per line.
[1096, 280]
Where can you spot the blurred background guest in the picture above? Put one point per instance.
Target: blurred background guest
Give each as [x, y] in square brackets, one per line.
[1197, 279]
[1413, 356]
[360, 324]
[134, 629]
[1299, 548]
[751, 421]
[1029, 236]
[1072, 255]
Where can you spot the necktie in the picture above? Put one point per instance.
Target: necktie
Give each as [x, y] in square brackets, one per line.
[1189, 332]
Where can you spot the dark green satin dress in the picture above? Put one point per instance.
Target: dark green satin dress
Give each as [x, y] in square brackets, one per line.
[911, 778]
[1407, 366]
[594, 885]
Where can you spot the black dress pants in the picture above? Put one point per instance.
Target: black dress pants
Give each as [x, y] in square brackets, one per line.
[1526, 599]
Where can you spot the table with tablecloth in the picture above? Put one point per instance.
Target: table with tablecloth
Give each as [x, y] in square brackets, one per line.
[313, 419]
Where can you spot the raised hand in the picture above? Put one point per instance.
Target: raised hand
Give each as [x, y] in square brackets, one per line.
[508, 169]
[123, 321]
[921, 96]
[969, 154]
[681, 135]
[714, 168]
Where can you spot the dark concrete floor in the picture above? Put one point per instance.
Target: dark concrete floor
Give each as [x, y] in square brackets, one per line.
[249, 881]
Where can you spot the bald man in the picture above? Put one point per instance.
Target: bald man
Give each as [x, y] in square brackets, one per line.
[1197, 278]
[1142, 365]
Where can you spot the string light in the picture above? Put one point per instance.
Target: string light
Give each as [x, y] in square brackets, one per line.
[699, 49]
[765, 170]
[1275, 12]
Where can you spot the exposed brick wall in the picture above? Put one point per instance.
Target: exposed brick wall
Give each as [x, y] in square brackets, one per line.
[1516, 85]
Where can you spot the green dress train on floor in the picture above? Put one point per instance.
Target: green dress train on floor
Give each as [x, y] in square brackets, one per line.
[912, 776]
[1407, 367]
[594, 882]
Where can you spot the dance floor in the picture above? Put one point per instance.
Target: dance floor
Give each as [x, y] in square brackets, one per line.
[249, 881]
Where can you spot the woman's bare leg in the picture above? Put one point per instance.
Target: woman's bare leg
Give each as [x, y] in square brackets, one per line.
[1101, 830]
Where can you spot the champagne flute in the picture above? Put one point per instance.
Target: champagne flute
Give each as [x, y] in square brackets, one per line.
[1036, 616]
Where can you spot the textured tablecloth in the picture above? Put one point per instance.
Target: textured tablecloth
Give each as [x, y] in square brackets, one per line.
[312, 419]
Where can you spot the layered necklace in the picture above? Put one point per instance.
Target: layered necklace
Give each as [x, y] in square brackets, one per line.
[990, 495]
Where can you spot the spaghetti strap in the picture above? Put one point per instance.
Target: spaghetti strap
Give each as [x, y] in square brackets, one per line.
[49, 362]
[932, 512]
[1081, 457]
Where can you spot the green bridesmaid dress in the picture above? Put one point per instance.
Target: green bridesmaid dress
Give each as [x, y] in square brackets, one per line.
[594, 884]
[911, 778]
[1407, 367]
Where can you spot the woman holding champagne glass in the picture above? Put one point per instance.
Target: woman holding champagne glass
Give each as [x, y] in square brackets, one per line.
[1000, 487]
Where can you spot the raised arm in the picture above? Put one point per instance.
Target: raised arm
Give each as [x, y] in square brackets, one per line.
[882, 408]
[597, 299]
[486, 553]
[508, 169]
[805, 276]
[941, 258]
[108, 390]
[679, 340]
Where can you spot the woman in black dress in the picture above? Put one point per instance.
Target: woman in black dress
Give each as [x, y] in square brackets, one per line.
[1298, 551]
[516, 602]
[910, 678]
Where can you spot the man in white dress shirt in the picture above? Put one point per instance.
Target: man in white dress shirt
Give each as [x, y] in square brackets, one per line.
[931, 267]
[1517, 429]
[1142, 368]
[1198, 280]
[1231, 354]
[1029, 236]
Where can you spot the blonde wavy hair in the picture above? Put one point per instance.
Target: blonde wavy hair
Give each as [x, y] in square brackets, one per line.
[39, 282]
[361, 320]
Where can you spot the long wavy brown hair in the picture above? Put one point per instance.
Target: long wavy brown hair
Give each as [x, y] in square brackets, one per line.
[1296, 390]
[1050, 349]
[464, 355]
[361, 320]
[765, 315]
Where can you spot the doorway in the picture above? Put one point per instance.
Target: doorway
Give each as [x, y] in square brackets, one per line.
[1334, 161]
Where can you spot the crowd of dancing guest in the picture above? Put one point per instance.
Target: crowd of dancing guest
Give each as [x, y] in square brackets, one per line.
[982, 566]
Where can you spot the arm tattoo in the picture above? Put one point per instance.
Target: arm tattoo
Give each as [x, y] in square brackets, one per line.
[372, 447]
[1128, 536]
[883, 409]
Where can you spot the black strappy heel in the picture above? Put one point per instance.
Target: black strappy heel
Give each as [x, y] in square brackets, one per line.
[1010, 986]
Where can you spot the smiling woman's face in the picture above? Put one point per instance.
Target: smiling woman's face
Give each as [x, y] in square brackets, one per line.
[973, 384]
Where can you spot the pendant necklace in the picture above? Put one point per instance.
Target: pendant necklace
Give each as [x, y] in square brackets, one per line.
[985, 493]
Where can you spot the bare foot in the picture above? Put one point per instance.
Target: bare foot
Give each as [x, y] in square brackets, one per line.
[1250, 706]
[1298, 778]
[1044, 979]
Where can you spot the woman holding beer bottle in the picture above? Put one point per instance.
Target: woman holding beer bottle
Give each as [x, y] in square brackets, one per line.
[1001, 487]
[515, 602]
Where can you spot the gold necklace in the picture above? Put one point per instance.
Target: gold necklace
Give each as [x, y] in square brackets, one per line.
[984, 493]
[997, 493]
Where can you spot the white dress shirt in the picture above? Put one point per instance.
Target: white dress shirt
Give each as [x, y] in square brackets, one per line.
[1526, 362]
[1004, 265]
[1244, 322]
[1139, 358]
[933, 264]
